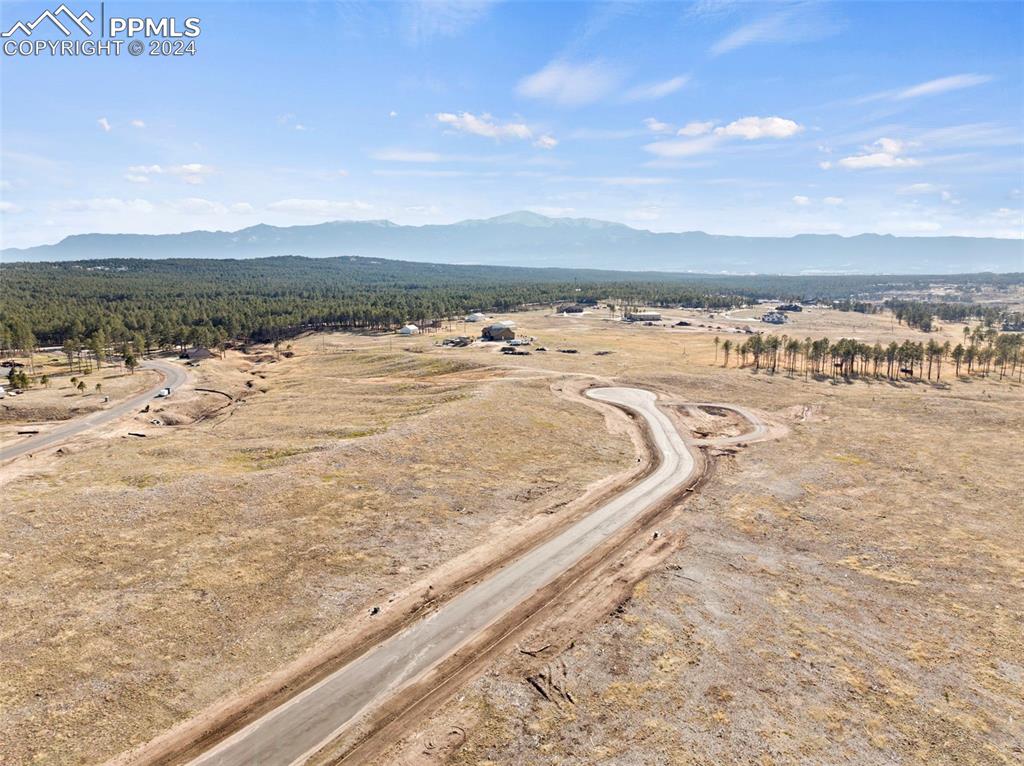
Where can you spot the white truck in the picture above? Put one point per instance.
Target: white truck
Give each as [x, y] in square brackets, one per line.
[163, 392]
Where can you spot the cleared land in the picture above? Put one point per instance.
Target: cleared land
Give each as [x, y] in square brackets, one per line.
[849, 593]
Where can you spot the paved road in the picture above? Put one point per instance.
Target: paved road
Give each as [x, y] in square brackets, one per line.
[174, 375]
[292, 732]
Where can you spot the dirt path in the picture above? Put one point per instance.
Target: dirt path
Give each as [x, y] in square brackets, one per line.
[173, 376]
[398, 667]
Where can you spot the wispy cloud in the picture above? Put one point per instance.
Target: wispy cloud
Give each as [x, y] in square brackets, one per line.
[104, 124]
[616, 180]
[406, 155]
[656, 90]
[943, 85]
[929, 88]
[657, 126]
[794, 23]
[138, 124]
[571, 84]
[485, 125]
[695, 128]
[318, 207]
[427, 19]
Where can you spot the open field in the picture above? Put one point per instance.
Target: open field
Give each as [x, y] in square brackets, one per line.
[850, 593]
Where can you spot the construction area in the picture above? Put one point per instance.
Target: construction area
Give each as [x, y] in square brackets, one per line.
[806, 598]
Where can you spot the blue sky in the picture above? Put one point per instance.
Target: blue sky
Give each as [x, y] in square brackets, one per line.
[732, 118]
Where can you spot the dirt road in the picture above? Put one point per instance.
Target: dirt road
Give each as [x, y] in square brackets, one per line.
[298, 728]
[173, 376]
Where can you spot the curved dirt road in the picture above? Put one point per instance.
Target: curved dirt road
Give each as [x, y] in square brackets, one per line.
[295, 730]
[173, 377]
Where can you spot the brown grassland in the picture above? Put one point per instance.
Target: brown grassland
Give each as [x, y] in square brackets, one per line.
[849, 594]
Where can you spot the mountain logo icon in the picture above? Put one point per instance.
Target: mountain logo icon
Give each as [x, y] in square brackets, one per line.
[61, 17]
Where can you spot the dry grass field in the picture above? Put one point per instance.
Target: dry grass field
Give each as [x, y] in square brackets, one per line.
[849, 594]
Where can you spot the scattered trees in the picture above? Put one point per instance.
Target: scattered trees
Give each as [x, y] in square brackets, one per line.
[988, 352]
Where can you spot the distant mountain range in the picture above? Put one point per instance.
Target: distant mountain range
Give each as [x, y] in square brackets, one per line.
[529, 239]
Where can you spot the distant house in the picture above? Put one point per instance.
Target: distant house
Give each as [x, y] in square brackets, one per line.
[774, 317]
[505, 330]
[197, 354]
[643, 316]
[476, 316]
[789, 307]
[409, 329]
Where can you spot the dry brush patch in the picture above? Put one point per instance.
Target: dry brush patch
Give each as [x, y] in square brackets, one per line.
[144, 579]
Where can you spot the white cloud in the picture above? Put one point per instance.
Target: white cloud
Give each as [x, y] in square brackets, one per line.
[833, 200]
[484, 125]
[291, 121]
[752, 128]
[570, 84]
[825, 164]
[242, 208]
[318, 207]
[198, 206]
[405, 155]
[801, 200]
[655, 90]
[921, 188]
[891, 145]
[701, 142]
[943, 85]
[876, 160]
[695, 128]
[392, 113]
[546, 142]
[190, 173]
[106, 205]
[884, 153]
[657, 126]
[138, 124]
[104, 123]
[9, 208]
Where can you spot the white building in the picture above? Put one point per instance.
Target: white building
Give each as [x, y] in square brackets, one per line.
[476, 316]
[643, 316]
[409, 329]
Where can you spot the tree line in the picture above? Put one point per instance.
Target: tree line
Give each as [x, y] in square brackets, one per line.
[983, 351]
[132, 307]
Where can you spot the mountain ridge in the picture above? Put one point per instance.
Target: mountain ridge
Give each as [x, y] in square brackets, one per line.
[525, 238]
